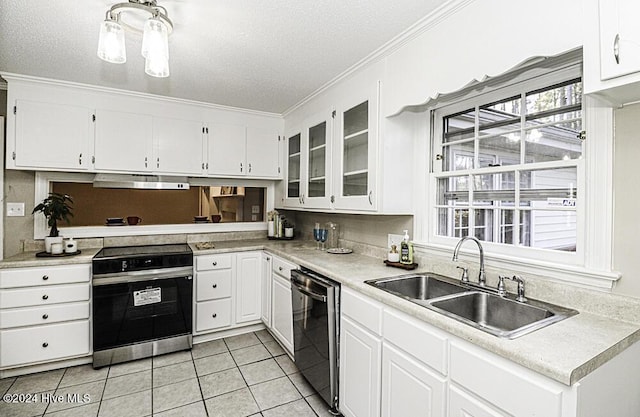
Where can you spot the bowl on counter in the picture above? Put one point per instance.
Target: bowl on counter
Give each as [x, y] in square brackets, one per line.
[216, 218]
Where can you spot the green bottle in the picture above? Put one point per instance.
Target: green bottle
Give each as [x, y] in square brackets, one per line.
[406, 249]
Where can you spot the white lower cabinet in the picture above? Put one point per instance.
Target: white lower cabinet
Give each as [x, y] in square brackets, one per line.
[360, 355]
[462, 404]
[44, 314]
[227, 290]
[248, 286]
[409, 388]
[281, 311]
[267, 261]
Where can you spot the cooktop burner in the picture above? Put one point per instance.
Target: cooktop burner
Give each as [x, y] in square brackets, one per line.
[137, 258]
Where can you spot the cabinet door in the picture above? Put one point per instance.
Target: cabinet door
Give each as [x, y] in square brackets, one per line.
[281, 313]
[355, 156]
[360, 356]
[619, 38]
[318, 161]
[177, 146]
[227, 150]
[263, 153]
[294, 192]
[52, 136]
[409, 388]
[248, 290]
[266, 289]
[464, 405]
[123, 141]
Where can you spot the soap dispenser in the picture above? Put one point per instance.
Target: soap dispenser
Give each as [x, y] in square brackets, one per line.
[406, 250]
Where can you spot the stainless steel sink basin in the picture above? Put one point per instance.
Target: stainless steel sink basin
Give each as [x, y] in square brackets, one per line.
[501, 316]
[418, 286]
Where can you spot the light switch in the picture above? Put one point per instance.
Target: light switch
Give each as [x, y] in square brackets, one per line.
[255, 209]
[15, 209]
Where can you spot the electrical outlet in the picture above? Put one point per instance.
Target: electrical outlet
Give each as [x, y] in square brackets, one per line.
[394, 240]
[15, 209]
[254, 218]
[255, 209]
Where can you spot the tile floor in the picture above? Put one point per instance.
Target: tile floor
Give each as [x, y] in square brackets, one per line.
[245, 375]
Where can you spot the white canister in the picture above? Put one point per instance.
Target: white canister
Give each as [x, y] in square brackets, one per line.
[288, 232]
[271, 228]
[56, 248]
[50, 240]
[70, 246]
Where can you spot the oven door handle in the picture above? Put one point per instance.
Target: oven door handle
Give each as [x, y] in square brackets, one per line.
[146, 275]
[305, 291]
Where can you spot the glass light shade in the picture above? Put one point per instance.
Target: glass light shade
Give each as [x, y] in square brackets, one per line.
[157, 65]
[111, 46]
[155, 38]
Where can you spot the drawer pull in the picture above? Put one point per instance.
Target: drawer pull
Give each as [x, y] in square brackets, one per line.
[45, 316]
[215, 285]
[45, 297]
[215, 263]
[45, 344]
[280, 268]
[214, 315]
[45, 277]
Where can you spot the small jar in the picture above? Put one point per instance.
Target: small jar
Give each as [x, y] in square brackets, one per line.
[393, 255]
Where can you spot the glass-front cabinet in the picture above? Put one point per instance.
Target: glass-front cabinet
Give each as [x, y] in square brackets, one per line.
[355, 155]
[309, 163]
[293, 192]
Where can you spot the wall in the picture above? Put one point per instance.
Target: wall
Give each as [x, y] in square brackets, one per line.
[626, 229]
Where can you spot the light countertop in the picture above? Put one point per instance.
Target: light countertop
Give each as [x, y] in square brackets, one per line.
[566, 351]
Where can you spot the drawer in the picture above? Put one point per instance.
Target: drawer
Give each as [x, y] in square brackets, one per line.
[28, 277]
[211, 285]
[425, 343]
[44, 295]
[213, 314]
[44, 343]
[360, 308]
[490, 377]
[282, 267]
[29, 316]
[211, 262]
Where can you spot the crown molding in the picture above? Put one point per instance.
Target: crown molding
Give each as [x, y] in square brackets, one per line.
[427, 22]
[60, 83]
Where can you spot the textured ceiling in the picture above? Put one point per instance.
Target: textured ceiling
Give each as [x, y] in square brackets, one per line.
[244, 53]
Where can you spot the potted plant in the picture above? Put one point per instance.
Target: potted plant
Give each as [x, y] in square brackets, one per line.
[55, 207]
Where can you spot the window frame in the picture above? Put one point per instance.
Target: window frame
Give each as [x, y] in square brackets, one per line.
[591, 263]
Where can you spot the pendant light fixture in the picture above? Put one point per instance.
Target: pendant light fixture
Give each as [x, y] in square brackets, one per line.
[138, 16]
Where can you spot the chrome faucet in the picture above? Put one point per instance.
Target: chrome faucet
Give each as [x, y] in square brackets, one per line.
[481, 276]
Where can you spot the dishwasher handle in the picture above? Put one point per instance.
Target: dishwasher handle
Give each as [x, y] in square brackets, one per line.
[304, 290]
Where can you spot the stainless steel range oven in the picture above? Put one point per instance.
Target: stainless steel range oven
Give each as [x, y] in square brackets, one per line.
[142, 302]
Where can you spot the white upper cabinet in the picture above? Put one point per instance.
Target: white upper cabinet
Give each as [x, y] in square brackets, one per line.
[354, 182]
[177, 146]
[227, 149]
[263, 153]
[309, 156]
[236, 150]
[619, 38]
[124, 141]
[50, 136]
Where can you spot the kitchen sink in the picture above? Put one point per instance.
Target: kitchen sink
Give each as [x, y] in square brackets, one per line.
[418, 286]
[501, 316]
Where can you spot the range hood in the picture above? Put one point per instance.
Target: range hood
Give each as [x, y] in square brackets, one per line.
[140, 182]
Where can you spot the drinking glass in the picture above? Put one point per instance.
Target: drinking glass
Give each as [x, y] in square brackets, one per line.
[323, 236]
[316, 235]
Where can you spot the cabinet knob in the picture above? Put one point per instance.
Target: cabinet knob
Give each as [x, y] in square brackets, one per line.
[45, 344]
[215, 285]
[45, 297]
[45, 277]
[45, 316]
[214, 315]
[279, 268]
[215, 263]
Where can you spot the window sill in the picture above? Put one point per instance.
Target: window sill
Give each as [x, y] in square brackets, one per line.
[576, 275]
[160, 229]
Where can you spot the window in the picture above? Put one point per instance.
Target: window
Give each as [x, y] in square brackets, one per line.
[509, 164]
